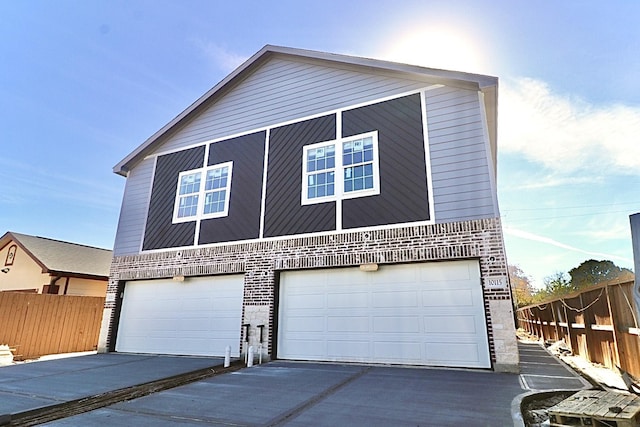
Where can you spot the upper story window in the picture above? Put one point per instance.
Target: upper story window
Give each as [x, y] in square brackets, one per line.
[353, 172]
[203, 193]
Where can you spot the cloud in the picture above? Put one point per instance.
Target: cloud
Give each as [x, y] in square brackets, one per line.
[546, 240]
[23, 184]
[567, 134]
[613, 227]
[220, 57]
[555, 181]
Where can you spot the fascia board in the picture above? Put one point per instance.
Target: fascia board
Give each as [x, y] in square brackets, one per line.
[452, 78]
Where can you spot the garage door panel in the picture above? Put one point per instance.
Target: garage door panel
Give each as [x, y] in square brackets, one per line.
[309, 349]
[400, 298]
[357, 299]
[413, 313]
[358, 350]
[304, 324]
[306, 302]
[450, 324]
[397, 324]
[348, 324]
[200, 316]
[398, 352]
[448, 297]
[455, 354]
[452, 273]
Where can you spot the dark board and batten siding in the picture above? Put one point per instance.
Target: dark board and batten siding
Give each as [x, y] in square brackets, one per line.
[284, 90]
[281, 90]
[284, 215]
[160, 231]
[243, 221]
[403, 194]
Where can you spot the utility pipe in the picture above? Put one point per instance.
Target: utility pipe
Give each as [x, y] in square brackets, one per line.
[250, 361]
[227, 356]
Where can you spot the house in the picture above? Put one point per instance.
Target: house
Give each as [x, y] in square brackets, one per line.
[318, 207]
[47, 266]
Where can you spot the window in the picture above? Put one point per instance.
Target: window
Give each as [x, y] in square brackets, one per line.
[321, 171]
[11, 255]
[352, 173]
[198, 200]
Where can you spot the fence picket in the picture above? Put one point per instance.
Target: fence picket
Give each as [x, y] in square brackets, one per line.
[600, 324]
[40, 324]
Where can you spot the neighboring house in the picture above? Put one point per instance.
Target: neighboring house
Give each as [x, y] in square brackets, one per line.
[47, 266]
[318, 207]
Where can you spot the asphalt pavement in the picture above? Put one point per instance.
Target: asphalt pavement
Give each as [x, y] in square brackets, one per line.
[283, 393]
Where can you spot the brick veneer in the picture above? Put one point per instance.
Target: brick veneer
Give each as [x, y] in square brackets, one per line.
[260, 261]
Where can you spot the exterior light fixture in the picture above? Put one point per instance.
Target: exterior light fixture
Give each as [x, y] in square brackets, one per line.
[178, 278]
[369, 267]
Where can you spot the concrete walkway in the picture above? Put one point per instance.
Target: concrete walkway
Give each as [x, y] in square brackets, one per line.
[541, 371]
[284, 393]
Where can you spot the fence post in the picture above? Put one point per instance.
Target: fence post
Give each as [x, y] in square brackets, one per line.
[615, 328]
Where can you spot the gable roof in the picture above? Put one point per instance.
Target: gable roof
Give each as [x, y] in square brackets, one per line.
[488, 85]
[57, 257]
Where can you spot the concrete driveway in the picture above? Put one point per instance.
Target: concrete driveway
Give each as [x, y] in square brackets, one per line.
[304, 394]
[273, 394]
[32, 386]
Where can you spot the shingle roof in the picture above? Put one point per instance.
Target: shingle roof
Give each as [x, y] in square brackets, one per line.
[55, 256]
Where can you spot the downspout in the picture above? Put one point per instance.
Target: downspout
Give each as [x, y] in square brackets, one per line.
[53, 281]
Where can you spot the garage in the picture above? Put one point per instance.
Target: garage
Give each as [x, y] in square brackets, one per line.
[198, 316]
[419, 314]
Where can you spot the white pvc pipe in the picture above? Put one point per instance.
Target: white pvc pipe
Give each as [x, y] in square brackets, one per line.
[260, 354]
[250, 361]
[227, 356]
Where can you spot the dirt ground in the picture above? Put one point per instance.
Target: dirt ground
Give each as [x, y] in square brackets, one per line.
[535, 407]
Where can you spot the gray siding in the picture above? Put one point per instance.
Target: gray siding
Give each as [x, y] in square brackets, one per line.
[283, 90]
[133, 213]
[460, 171]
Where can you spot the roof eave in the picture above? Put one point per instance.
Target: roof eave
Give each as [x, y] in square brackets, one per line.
[123, 167]
[481, 82]
[89, 276]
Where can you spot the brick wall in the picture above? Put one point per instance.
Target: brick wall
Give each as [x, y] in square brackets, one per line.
[260, 261]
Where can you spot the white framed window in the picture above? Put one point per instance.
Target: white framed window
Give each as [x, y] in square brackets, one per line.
[203, 193]
[341, 169]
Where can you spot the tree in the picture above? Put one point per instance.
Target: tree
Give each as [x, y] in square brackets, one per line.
[557, 284]
[521, 284]
[592, 272]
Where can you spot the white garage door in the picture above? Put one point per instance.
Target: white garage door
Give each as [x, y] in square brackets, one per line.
[200, 316]
[419, 314]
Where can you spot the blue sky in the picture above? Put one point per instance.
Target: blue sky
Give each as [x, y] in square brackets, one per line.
[83, 83]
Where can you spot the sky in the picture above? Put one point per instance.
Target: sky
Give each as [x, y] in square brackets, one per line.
[83, 83]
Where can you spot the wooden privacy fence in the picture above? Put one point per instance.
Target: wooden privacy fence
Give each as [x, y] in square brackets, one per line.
[40, 324]
[599, 324]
